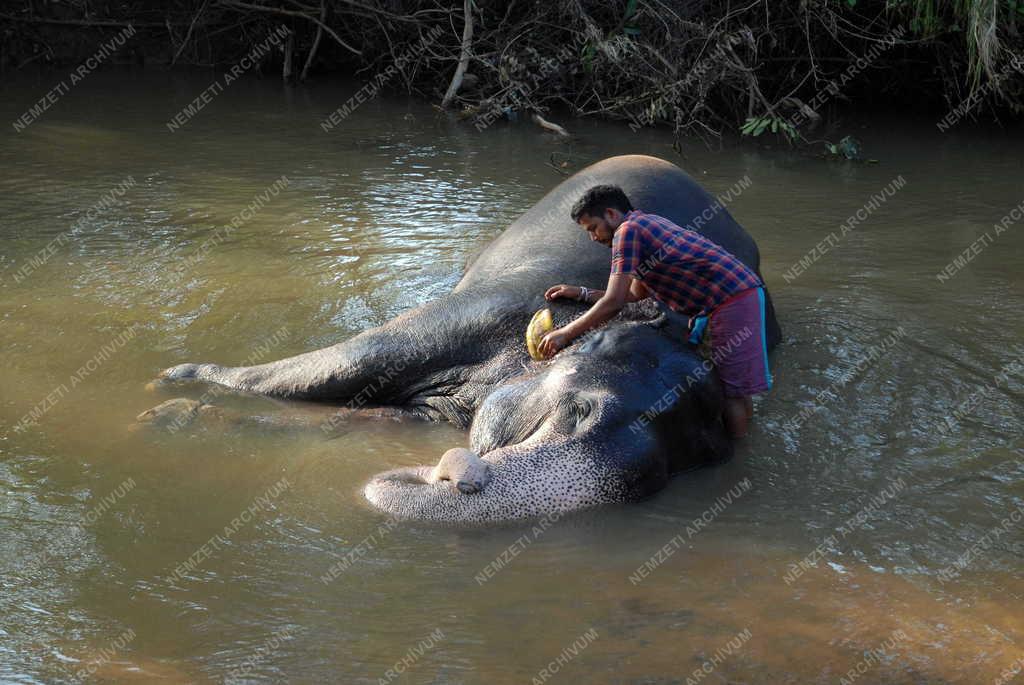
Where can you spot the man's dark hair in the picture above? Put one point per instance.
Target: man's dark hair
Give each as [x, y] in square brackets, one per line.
[599, 198]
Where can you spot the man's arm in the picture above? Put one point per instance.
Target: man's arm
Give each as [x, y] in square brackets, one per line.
[610, 303]
[637, 291]
[626, 250]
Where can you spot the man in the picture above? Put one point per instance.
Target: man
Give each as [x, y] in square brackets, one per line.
[651, 256]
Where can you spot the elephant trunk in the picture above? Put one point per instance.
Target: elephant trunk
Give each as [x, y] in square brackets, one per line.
[524, 481]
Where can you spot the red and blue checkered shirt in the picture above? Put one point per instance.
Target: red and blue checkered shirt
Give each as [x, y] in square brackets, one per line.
[680, 267]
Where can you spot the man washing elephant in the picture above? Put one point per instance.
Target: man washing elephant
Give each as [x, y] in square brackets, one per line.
[692, 275]
[543, 439]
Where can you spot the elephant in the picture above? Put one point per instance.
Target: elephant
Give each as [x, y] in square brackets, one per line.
[608, 419]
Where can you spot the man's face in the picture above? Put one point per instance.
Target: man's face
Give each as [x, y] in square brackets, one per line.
[601, 228]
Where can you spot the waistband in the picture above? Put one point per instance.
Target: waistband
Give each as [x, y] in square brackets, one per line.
[740, 295]
[699, 323]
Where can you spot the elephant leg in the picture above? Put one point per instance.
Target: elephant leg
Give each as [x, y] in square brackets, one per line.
[182, 413]
[346, 371]
[385, 365]
[171, 415]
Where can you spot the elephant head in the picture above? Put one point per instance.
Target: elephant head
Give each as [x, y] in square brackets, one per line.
[607, 420]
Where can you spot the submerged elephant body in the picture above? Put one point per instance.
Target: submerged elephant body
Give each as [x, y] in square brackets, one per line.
[608, 420]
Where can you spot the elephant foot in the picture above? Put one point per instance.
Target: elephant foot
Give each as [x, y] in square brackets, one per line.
[181, 372]
[175, 414]
[177, 374]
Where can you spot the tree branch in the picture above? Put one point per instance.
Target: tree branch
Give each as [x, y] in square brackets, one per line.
[467, 39]
[290, 13]
[316, 41]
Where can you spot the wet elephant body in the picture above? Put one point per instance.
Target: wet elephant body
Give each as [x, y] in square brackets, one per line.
[608, 420]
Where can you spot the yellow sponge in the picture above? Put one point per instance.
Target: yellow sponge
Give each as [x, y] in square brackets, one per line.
[540, 325]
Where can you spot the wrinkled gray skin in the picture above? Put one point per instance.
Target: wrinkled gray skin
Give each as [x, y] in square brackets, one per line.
[565, 435]
[550, 436]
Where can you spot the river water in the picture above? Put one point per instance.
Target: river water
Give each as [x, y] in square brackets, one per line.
[870, 529]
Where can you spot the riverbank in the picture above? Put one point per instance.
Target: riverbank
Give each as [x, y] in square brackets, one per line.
[708, 70]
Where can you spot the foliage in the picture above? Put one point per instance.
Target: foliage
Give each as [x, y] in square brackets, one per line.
[702, 68]
[848, 147]
[755, 126]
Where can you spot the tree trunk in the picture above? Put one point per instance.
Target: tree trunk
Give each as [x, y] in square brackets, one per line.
[467, 39]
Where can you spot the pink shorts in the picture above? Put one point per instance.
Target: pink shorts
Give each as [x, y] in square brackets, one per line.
[738, 344]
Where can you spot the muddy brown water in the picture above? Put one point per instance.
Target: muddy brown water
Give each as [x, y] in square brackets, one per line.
[876, 529]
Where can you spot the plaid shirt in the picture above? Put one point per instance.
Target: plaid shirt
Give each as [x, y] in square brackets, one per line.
[680, 267]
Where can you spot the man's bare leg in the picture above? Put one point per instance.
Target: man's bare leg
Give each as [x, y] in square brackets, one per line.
[750, 407]
[736, 416]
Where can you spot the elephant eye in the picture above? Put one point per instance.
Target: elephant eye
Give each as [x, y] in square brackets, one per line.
[582, 408]
[571, 413]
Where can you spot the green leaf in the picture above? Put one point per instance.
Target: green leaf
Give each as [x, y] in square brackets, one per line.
[631, 8]
[631, 31]
[775, 125]
[587, 59]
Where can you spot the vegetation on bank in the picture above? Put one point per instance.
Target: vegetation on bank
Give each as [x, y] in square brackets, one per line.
[762, 67]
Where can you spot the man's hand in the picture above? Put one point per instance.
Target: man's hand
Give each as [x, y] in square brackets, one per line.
[608, 306]
[569, 292]
[554, 341]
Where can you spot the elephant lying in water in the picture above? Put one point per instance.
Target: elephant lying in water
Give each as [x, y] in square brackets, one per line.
[575, 432]
[608, 420]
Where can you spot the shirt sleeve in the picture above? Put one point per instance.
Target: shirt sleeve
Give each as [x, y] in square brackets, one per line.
[626, 249]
